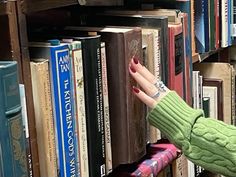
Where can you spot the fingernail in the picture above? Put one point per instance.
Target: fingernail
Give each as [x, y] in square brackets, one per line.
[135, 89]
[132, 69]
[136, 61]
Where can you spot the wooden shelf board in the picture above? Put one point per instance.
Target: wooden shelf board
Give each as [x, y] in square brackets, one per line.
[30, 6]
[200, 57]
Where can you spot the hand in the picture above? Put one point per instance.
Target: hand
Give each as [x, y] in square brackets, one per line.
[154, 90]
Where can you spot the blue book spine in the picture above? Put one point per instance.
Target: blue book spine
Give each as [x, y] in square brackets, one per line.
[13, 161]
[60, 66]
[185, 7]
[199, 26]
[206, 25]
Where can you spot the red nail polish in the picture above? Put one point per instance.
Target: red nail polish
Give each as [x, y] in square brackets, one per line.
[136, 61]
[135, 89]
[132, 69]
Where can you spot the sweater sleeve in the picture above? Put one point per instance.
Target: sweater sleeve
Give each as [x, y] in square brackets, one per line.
[204, 141]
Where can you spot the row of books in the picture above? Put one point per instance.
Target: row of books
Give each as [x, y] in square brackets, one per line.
[160, 45]
[80, 111]
[146, 39]
[212, 22]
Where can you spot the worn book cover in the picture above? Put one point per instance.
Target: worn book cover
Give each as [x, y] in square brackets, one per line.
[12, 138]
[44, 117]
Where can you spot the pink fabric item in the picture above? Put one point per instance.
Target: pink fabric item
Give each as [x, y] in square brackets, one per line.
[158, 157]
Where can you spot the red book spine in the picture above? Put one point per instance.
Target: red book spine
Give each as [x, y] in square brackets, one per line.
[176, 58]
[217, 24]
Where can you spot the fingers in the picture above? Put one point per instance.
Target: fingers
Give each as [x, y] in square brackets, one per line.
[147, 86]
[143, 70]
[150, 102]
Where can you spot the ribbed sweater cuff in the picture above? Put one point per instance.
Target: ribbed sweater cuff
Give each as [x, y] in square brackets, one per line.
[174, 118]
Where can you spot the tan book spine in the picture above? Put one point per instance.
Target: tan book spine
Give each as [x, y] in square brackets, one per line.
[80, 112]
[151, 38]
[233, 94]
[180, 167]
[106, 111]
[44, 118]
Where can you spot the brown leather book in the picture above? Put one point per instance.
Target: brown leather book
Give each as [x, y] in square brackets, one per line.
[127, 113]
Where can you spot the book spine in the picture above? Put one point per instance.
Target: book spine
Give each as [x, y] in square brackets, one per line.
[206, 19]
[233, 25]
[157, 55]
[101, 110]
[224, 23]
[44, 118]
[230, 14]
[106, 111]
[80, 112]
[60, 67]
[12, 139]
[233, 95]
[26, 130]
[93, 104]
[217, 24]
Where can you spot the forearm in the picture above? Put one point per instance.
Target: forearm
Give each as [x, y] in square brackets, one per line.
[206, 142]
[213, 146]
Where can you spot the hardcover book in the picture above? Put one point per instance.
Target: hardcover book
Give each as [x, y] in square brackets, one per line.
[92, 77]
[26, 128]
[79, 102]
[44, 117]
[150, 38]
[199, 20]
[12, 138]
[176, 58]
[106, 110]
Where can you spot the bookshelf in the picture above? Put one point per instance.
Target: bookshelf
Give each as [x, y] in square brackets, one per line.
[201, 57]
[13, 15]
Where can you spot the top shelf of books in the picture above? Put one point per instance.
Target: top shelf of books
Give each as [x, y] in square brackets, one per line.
[29, 6]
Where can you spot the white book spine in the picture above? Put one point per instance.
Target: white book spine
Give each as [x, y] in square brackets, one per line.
[224, 25]
[157, 55]
[106, 111]
[80, 112]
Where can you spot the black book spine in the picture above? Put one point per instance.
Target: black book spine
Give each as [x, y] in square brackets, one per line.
[94, 105]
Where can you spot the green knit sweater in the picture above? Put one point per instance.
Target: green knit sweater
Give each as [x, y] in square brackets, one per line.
[204, 141]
